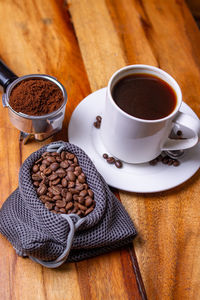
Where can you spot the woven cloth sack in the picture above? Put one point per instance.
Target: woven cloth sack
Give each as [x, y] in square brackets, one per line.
[51, 239]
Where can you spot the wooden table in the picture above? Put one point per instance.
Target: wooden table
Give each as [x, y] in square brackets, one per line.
[82, 42]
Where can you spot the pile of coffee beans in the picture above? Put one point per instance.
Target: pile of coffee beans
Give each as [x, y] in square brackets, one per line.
[165, 160]
[112, 160]
[97, 123]
[61, 184]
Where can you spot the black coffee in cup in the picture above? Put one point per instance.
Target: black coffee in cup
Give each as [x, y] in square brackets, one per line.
[144, 96]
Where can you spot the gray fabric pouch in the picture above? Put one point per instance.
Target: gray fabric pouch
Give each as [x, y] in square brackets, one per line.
[51, 239]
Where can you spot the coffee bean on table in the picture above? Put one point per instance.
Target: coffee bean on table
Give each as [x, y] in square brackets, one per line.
[61, 184]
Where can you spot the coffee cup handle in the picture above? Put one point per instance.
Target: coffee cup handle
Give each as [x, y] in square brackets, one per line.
[188, 122]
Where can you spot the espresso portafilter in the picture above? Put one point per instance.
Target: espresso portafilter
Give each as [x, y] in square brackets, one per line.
[39, 127]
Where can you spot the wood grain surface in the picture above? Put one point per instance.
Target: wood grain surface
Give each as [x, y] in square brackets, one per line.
[39, 37]
[82, 43]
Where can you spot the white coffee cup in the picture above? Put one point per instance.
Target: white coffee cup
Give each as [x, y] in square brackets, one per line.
[136, 140]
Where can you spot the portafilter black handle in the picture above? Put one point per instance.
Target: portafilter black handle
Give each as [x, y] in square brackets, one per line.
[6, 75]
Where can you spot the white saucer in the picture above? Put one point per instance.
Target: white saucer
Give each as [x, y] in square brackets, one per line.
[141, 178]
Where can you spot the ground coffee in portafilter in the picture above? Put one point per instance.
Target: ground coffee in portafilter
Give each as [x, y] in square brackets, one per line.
[61, 184]
[144, 96]
[36, 97]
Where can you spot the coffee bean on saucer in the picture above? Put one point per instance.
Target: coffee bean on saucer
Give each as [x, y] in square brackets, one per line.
[61, 185]
[118, 163]
[166, 160]
[98, 118]
[179, 133]
[153, 162]
[97, 124]
[110, 160]
[176, 163]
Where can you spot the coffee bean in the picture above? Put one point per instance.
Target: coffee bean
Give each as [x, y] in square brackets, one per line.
[82, 207]
[45, 154]
[56, 181]
[90, 193]
[179, 133]
[38, 161]
[176, 163]
[71, 184]
[58, 159]
[73, 191]
[53, 153]
[118, 163]
[36, 183]
[36, 177]
[111, 160]
[170, 162]
[64, 164]
[78, 169]
[153, 162]
[49, 194]
[42, 189]
[80, 213]
[69, 205]
[57, 197]
[81, 200]
[75, 197]
[81, 178]
[63, 155]
[35, 168]
[60, 172]
[98, 118]
[42, 167]
[60, 203]
[48, 205]
[165, 160]
[105, 155]
[71, 176]
[46, 162]
[61, 184]
[51, 159]
[97, 124]
[55, 190]
[71, 168]
[43, 198]
[88, 201]
[64, 182]
[79, 187]
[63, 192]
[70, 156]
[89, 210]
[83, 193]
[68, 197]
[47, 171]
[54, 166]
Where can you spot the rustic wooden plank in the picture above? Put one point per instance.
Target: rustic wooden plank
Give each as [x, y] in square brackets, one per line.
[43, 41]
[161, 33]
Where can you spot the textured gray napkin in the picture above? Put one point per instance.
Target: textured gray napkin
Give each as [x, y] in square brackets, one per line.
[50, 238]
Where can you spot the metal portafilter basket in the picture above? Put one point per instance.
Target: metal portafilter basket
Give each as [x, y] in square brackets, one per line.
[39, 127]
